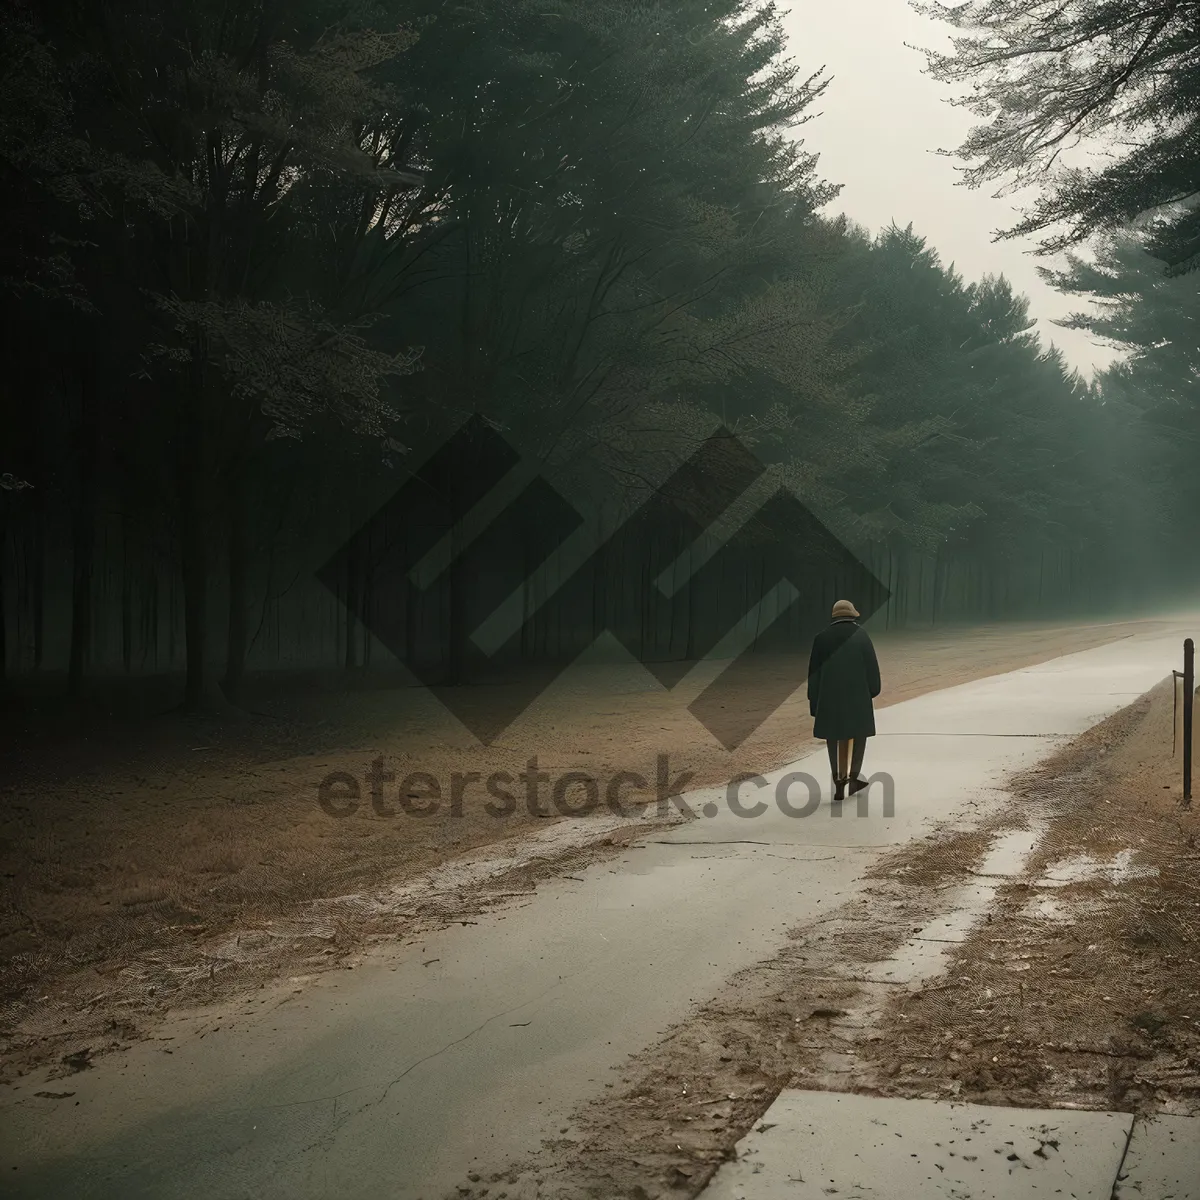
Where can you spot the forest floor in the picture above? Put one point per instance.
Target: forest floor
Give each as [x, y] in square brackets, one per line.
[171, 861]
[1078, 987]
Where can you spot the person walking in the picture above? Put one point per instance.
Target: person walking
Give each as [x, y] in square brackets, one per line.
[843, 679]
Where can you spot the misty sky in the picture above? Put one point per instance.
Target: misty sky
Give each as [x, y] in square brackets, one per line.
[881, 121]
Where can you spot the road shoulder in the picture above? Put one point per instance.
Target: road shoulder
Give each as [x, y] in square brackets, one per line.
[1044, 960]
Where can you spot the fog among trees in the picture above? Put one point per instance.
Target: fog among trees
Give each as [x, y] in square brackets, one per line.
[259, 260]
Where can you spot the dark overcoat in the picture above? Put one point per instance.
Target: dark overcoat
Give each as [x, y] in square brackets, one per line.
[843, 679]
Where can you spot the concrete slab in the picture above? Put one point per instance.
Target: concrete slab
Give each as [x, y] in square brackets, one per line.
[1163, 1161]
[818, 1145]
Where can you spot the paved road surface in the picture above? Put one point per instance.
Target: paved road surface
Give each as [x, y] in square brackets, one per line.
[397, 1078]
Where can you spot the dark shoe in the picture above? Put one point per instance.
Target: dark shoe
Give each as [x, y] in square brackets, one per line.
[857, 785]
[839, 790]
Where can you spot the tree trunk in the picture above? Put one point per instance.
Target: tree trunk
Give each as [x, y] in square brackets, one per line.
[458, 602]
[353, 601]
[38, 579]
[126, 597]
[460, 581]
[83, 543]
[193, 557]
[237, 636]
[194, 469]
[151, 616]
[3, 618]
[412, 616]
[891, 585]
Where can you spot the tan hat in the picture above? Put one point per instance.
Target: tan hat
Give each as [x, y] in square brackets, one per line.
[843, 608]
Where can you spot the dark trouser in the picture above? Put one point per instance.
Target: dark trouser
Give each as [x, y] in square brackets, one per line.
[846, 758]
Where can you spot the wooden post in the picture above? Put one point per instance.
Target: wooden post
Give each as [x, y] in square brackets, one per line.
[1189, 696]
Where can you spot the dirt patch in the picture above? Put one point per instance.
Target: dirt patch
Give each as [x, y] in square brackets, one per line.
[1084, 987]
[168, 862]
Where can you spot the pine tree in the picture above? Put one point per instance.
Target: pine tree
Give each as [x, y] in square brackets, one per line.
[1046, 75]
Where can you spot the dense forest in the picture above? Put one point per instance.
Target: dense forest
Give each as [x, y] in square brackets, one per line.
[258, 260]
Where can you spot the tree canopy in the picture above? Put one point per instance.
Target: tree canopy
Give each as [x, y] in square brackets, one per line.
[256, 259]
[1122, 78]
